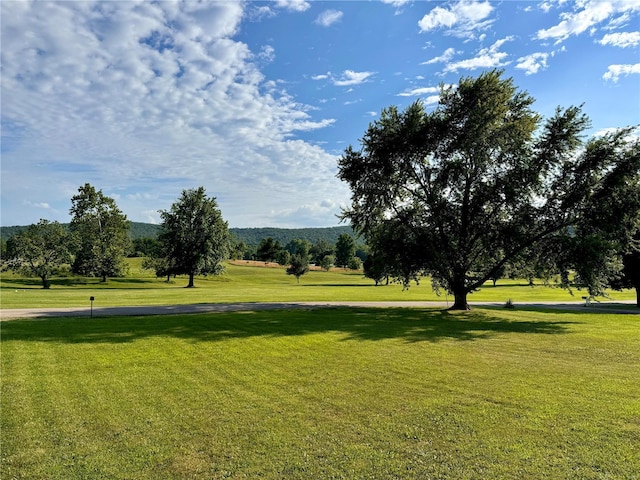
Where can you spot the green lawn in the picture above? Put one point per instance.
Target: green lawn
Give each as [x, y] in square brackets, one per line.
[251, 284]
[323, 393]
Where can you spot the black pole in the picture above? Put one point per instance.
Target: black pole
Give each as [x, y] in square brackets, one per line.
[91, 298]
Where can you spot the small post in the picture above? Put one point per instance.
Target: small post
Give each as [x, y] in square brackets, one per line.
[91, 299]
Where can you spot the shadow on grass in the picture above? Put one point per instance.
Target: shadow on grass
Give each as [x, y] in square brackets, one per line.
[111, 283]
[410, 325]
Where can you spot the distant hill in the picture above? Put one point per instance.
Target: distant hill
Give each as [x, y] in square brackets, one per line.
[250, 236]
[253, 236]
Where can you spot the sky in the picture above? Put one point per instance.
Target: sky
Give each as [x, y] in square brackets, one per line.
[256, 101]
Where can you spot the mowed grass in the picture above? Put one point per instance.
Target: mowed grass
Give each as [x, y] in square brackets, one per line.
[244, 283]
[323, 393]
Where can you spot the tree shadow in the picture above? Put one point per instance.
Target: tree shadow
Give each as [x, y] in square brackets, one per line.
[64, 282]
[364, 324]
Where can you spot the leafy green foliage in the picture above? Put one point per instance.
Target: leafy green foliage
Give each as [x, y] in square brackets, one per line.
[321, 249]
[345, 250]
[283, 257]
[471, 185]
[40, 250]
[606, 240]
[102, 232]
[327, 262]
[253, 236]
[194, 236]
[299, 265]
[268, 249]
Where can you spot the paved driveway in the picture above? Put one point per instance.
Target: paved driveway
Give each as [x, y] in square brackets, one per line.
[11, 314]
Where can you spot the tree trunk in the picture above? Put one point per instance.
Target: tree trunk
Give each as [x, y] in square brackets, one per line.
[460, 301]
[191, 285]
[45, 282]
[104, 278]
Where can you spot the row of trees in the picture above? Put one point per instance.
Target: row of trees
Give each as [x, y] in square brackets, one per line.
[95, 243]
[343, 254]
[194, 239]
[481, 183]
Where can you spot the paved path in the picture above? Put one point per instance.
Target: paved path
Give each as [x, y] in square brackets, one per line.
[11, 314]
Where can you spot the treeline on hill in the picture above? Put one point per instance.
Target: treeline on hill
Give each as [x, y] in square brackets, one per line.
[250, 236]
[193, 240]
[267, 244]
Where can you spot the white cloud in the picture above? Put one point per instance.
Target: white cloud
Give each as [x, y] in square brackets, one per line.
[533, 63]
[633, 135]
[320, 214]
[614, 72]
[328, 18]
[621, 39]
[293, 5]
[141, 98]
[396, 3]
[429, 95]
[445, 57]
[267, 53]
[349, 77]
[416, 92]
[461, 18]
[586, 16]
[489, 57]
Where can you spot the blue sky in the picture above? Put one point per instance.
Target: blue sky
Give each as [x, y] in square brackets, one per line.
[256, 101]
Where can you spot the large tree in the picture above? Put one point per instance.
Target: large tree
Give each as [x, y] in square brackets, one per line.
[345, 249]
[194, 236]
[268, 249]
[475, 183]
[41, 250]
[102, 231]
[605, 246]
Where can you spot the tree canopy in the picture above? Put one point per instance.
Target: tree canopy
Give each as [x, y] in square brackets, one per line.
[473, 184]
[345, 250]
[102, 232]
[41, 249]
[194, 236]
[299, 265]
[605, 246]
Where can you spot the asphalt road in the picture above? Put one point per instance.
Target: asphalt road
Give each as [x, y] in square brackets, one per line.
[43, 313]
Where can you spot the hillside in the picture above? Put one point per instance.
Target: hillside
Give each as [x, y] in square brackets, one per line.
[250, 236]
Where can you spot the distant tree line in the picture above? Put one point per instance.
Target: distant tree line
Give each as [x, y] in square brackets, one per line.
[193, 239]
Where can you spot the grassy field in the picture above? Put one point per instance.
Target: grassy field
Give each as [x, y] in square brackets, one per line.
[323, 393]
[243, 283]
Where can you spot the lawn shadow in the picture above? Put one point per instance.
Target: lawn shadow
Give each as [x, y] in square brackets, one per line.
[365, 324]
[64, 282]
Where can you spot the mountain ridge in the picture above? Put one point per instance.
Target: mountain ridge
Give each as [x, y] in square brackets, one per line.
[248, 235]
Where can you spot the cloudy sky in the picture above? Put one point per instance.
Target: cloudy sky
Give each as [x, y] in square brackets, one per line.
[256, 101]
